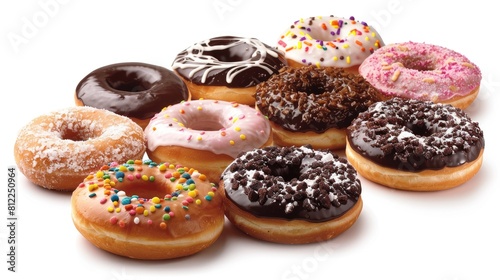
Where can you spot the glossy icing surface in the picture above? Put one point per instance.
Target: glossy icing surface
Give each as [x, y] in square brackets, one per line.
[228, 61]
[218, 126]
[132, 89]
[292, 183]
[329, 41]
[414, 135]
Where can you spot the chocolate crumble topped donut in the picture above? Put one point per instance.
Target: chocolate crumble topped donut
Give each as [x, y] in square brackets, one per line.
[291, 194]
[311, 105]
[415, 145]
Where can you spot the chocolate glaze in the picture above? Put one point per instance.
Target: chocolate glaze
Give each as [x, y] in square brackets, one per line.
[132, 89]
[413, 135]
[292, 183]
[314, 99]
[228, 61]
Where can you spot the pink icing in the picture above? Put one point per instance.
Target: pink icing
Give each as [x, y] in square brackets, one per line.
[218, 126]
[420, 71]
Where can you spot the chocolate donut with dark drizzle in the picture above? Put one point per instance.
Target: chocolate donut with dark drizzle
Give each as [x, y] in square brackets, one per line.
[131, 89]
[292, 183]
[413, 135]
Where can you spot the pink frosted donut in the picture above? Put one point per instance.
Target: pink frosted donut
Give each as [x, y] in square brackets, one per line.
[423, 72]
[206, 134]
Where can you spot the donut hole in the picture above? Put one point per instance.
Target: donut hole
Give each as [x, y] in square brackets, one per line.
[77, 133]
[419, 63]
[239, 51]
[420, 130]
[287, 172]
[145, 189]
[130, 81]
[205, 124]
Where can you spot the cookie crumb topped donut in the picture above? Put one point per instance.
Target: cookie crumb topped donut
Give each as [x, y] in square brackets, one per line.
[310, 105]
[415, 145]
[291, 195]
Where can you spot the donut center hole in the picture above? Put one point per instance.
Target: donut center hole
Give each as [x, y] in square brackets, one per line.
[287, 172]
[419, 130]
[128, 81]
[146, 190]
[205, 124]
[419, 64]
[236, 53]
[75, 132]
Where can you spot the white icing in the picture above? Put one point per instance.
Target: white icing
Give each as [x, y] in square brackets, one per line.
[329, 41]
[197, 59]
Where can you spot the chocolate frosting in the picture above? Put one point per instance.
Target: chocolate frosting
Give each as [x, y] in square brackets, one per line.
[230, 61]
[314, 99]
[132, 89]
[292, 183]
[412, 135]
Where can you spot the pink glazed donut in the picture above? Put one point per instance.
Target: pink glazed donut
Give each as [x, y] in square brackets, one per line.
[424, 72]
[206, 134]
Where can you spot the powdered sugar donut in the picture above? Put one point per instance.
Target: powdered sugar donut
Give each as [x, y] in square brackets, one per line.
[424, 72]
[57, 150]
[329, 41]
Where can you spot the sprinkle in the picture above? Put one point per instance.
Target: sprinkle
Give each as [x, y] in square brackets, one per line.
[243, 137]
[136, 220]
[113, 220]
[202, 177]
[198, 202]
[395, 76]
[111, 209]
[103, 200]
[155, 200]
[166, 217]
[163, 225]
[231, 142]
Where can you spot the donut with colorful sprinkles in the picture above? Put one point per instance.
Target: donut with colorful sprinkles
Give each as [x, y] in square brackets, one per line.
[329, 41]
[146, 210]
[208, 134]
[423, 71]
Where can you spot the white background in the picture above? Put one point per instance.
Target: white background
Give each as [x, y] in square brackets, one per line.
[47, 46]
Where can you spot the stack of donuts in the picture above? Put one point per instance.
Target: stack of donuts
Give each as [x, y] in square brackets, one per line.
[155, 158]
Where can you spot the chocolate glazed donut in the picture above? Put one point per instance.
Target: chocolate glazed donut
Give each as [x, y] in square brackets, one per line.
[228, 61]
[135, 90]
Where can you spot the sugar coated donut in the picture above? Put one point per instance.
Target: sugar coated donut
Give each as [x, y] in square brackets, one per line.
[145, 210]
[310, 105]
[423, 71]
[329, 41]
[57, 150]
[227, 68]
[132, 89]
[208, 134]
[415, 145]
[291, 195]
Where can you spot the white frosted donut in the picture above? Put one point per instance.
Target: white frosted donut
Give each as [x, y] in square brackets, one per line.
[59, 149]
[329, 41]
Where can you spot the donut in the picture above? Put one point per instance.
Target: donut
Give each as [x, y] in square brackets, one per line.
[424, 72]
[208, 134]
[329, 41]
[58, 149]
[145, 210]
[131, 89]
[227, 68]
[415, 145]
[291, 195]
[310, 105]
